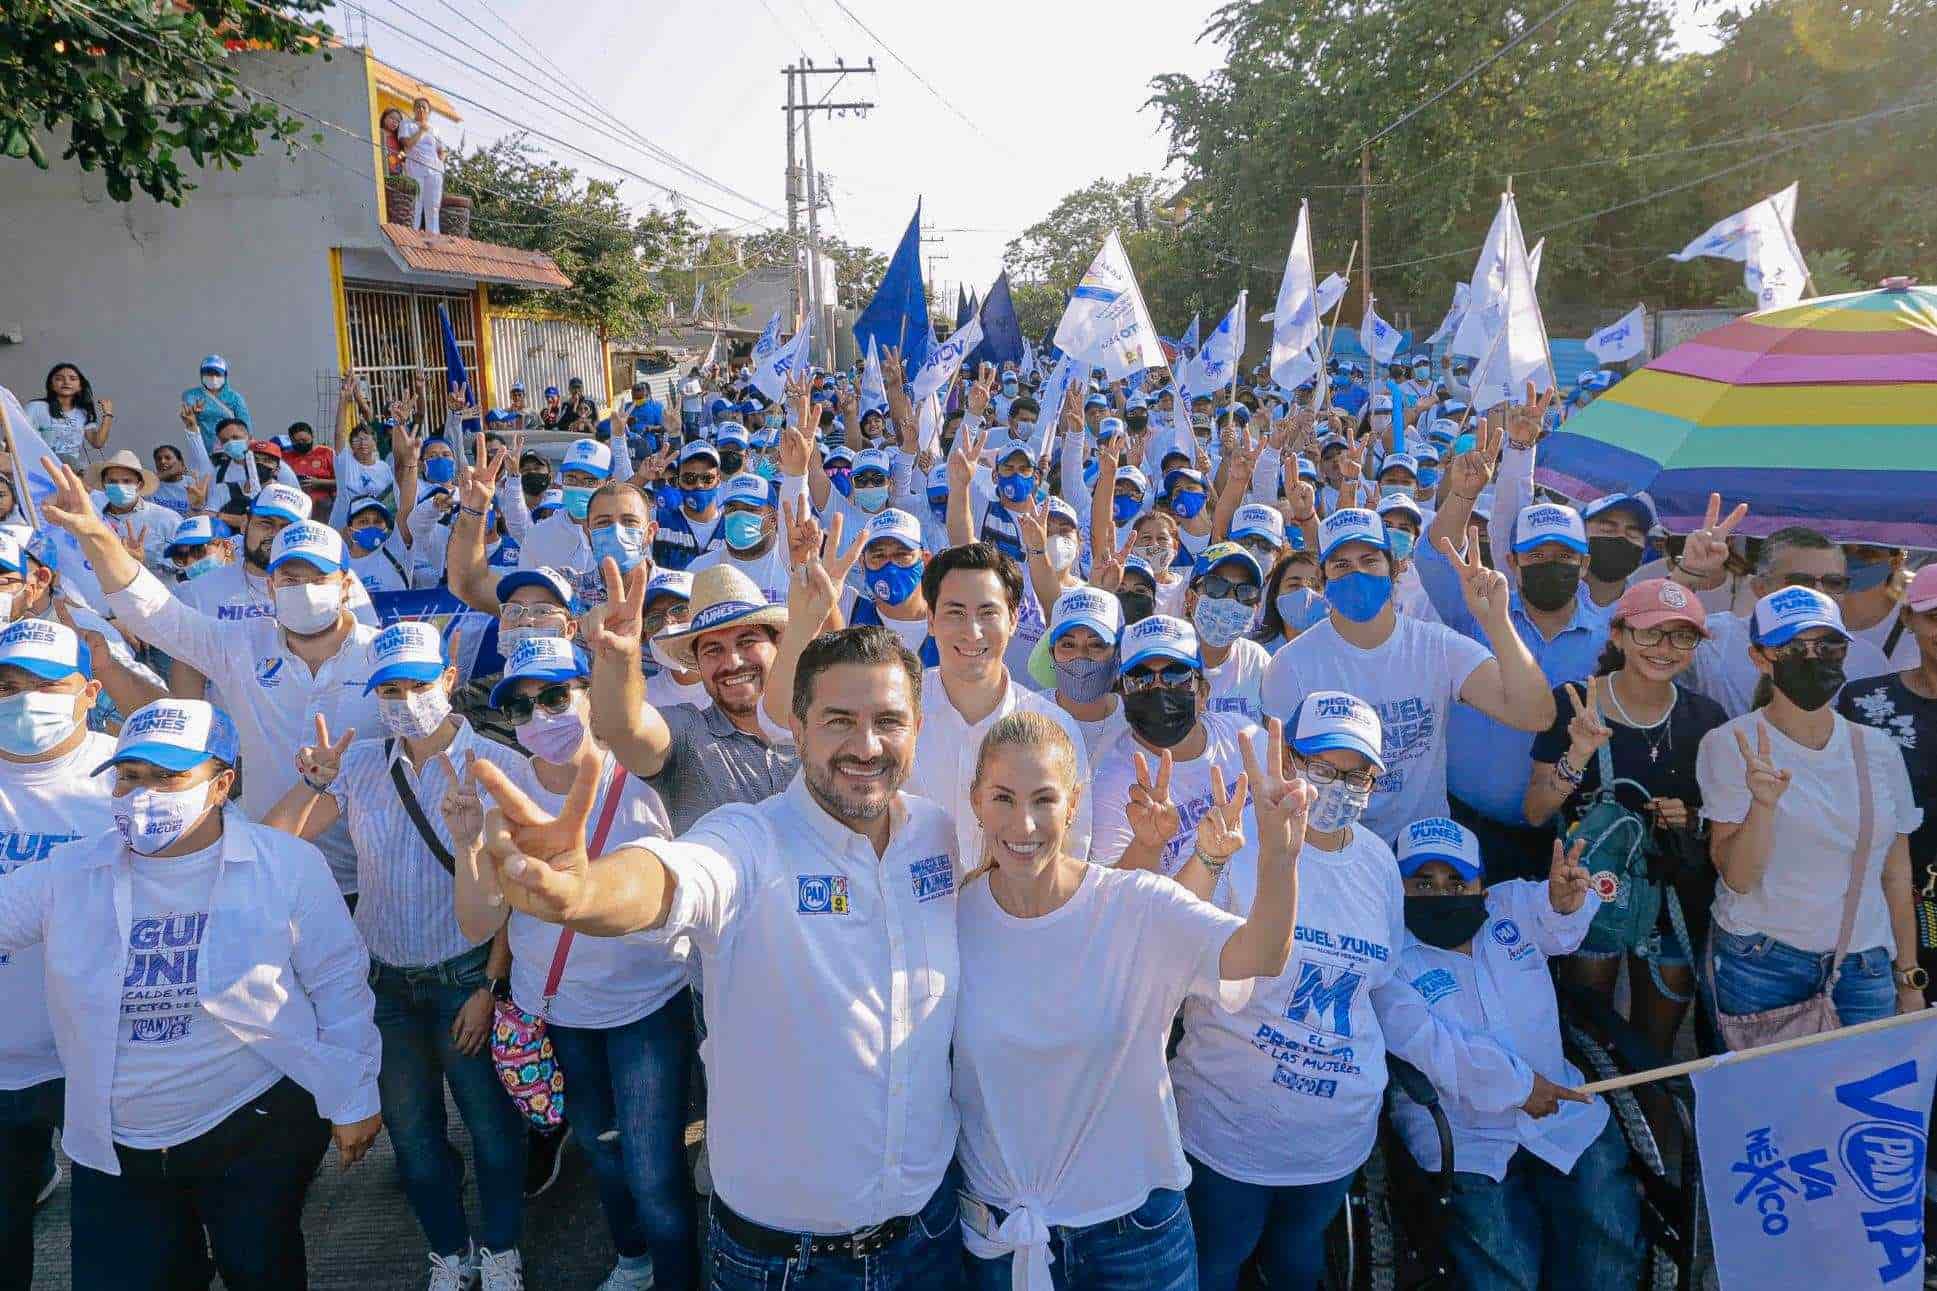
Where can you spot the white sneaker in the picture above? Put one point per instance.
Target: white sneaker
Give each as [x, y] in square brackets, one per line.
[500, 1270]
[625, 1279]
[451, 1272]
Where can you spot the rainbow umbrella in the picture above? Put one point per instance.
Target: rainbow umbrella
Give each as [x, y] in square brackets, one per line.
[1823, 413]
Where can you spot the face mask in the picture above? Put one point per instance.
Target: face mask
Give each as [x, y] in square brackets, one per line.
[731, 462]
[1338, 804]
[121, 495]
[213, 381]
[1867, 575]
[843, 482]
[624, 544]
[1610, 560]
[1137, 606]
[416, 714]
[578, 500]
[1220, 620]
[893, 584]
[1447, 922]
[697, 500]
[871, 498]
[1024, 430]
[440, 470]
[1359, 597]
[1014, 488]
[369, 536]
[1401, 543]
[1124, 509]
[1301, 607]
[151, 820]
[1428, 479]
[34, 721]
[1549, 586]
[767, 470]
[552, 737]
[1809, 683]
[309, 608]
[235, 449]
[1060, 551]
[938, 505]
[535, 482]
[775, 421]
[1084, 681]
[200, 567]
[743, 530]
[509, 639]
[1161, 716]
[1187, 505]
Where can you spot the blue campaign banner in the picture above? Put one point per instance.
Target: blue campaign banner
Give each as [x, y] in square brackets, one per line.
[476, 634]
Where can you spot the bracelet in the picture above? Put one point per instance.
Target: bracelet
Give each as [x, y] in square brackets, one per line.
[1568, 773]
[468, 510]
[1215, 864]
[320, 790]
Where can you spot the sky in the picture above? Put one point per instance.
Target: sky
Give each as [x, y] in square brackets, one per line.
[1011, 105]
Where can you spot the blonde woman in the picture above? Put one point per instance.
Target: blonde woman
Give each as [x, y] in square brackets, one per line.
[1069, 1131]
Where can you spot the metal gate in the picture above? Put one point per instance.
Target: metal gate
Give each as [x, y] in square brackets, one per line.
[395, 337]
[546, 352]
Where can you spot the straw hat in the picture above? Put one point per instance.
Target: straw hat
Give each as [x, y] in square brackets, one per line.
[723, 597]
[127, 461]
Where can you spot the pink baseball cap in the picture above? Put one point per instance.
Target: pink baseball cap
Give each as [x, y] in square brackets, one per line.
[1921, 595]
[1655, 601]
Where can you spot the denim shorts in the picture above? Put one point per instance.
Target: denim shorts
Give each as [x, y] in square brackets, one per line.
[1758, 972]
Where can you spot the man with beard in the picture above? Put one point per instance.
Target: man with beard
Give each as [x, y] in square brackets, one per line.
[824, 918]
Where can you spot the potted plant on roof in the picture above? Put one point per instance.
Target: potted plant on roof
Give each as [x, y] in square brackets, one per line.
[399, 199]
[454, 215]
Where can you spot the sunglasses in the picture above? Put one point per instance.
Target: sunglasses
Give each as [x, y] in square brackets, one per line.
[1833, 650]
[553, 699]
[1172, 675]
[1218, 587]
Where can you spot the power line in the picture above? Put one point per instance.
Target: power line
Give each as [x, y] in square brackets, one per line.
[943, 99]
[1472, 72]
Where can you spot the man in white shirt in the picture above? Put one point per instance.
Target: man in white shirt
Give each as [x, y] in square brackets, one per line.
[825, 922]
[750, 537]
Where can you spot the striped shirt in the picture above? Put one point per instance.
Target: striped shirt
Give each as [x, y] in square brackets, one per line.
[405, 897]
[713, 762]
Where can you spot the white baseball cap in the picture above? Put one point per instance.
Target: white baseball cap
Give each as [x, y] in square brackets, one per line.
[543, 658]
[1257, 520]
[875, 459]
[316, 544]
[1400, 502]
[1087, 607]
[1332, 719]
[589, 456]
[1398, 462]
[1158, 637]
[1787, 611]
[409, 651]
[281, 501]
[176, 735]
[1440, 838]
[670, 582]
[698, 448]
[895, 524]
[1549, 522]
[1351, 524]
[46, 649]
[747, 490]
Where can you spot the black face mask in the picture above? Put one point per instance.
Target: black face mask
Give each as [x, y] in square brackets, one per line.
[1549, 586]
[1137, 606]
[535, 482]
[1446, 922]
[731, 462]
[1809, 683]
[1163, 715]
[301, 445]
[1611, 560]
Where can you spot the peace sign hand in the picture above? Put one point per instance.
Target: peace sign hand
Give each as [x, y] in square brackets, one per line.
[1586, 732]
[1567, 879]
[318, 763]
[1706, 551]
[1106, 564]
[1765, 782]
[197, 489]
[814, 586]
[1220, 832]
[1472, 471]
[69, 505]
[1154, 819]
[540, 859]
[611, 631]
[1032, 525]
[981, 391]
[461, 807]
[1527, 421]
[962, 462]
[1280, 798]
[1485, 590]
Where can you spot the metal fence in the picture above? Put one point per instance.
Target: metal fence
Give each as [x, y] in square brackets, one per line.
[396, 340]
[545, 352]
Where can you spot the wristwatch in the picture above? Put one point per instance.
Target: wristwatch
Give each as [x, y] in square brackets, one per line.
[499, 987]
[1913, 977]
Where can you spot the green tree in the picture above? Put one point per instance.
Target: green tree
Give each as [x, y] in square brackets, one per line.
[857, 269]
[143, 83]
[1059, 247]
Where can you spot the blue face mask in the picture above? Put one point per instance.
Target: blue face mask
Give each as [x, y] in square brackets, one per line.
[871, 498]
[440, 470]
[624, 543]
[1186, 505]
[938, 503]
[893, 584]
[202, 566]
[1464, 444]
[1428, 478]
[235, 449]
[120, 494]
[1014, 488]
[1401, 543]
[743, 530]
[578, 500]
[843, 482]
[369, 536]
[1359, 597]
[1301, 607]
[697, 500]
[1124, 509]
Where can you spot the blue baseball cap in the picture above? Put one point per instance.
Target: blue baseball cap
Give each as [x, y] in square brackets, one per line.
[1440, 838]
[1158, 637]
[409, 651]
[589, 456]
[670, 582]
[46, 649]
[730, 432]
[215, 363]
[313, 544]
[1351, 524]
[541, 659]
[555, 581]
[198, 531]
[1788, 611]
[1225, 553]
[1332, 719]
[550, 391]
[176, 735]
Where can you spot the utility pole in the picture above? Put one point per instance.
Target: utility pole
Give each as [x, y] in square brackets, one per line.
[1365, 231]
[801, 103]
[930, 238]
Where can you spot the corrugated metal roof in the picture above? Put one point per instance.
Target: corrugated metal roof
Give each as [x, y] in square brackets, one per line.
[469, 258]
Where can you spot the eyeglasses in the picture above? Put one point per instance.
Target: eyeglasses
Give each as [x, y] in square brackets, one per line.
[1833, 649]
[553, 700]
[660, 618]
[1217, 587]
[1173, 675]
[1679, 638]
[1827, 584]
[1318, 771]
[868, 479]
[699, 481]
[513, 616]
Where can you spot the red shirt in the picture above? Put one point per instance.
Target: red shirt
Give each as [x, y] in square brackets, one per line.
[319, 463]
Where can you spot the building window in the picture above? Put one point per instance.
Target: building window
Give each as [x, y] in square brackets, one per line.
[395, 337]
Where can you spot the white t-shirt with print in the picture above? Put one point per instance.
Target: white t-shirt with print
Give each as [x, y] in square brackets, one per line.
[1412, 679]
[1190, 790]
[1237, 684]
[768, 570]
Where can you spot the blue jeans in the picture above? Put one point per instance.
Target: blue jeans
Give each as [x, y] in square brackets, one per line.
[927, 1258]
[1284, 1225]
[1759, 972]
[27, 1120]
[1150, 1249]
[1541, 1228]
[625, 1094]
[415, 1010]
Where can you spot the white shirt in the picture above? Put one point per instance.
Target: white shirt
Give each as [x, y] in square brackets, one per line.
[384, 570]
[1190, 790]
[1287, 1090]
[1237, 684]
[558, 541]
[1100, 735]
[271, 695]
[1723, 670]
[355, 480]
[44, 806]
[768, 571]
[232, 594]
[663, 691]
[1503, 990]
[420, 145]
[831, 984]
[1067, 1112]
[281, 968]
[64, 432]
[1906, 655]
[945, 754]
[1800, 898]
[1413, 679]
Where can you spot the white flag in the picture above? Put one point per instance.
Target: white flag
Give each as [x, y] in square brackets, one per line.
[712, 354]
[1485, 304]
[945, 360]
[699, 297]
[1813, 1161]
[1330, 292]
[1106, 324]
[1217, 362]
[1028, 370]
[1517, 352]
[33, 485]
[1050, 403]
[1294, 316]
[771, 373]
[1763, 237]
[1620, 340]
[1454, 313]
[1380, 338]
[769, 341]
[928, 434]
[874, 389]
[1533, 259]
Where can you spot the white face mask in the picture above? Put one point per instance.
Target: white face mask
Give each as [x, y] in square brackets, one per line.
[1338, 804]
[34, 721]
[509, 639]
[6, 607]
[212, 382]
[416, 714]
[1060, 550]
[309, 608]
[153, 820]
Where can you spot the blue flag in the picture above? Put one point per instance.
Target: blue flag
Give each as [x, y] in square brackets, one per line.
[898, 314]
[453, 359]
[964, 307]
[1001, 333]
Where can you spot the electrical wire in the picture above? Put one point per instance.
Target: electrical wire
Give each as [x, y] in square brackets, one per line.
[1470, 73]
[943, 99]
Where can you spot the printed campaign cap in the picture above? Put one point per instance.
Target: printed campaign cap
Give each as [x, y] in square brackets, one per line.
[1258, 520]
[1088, 607]
[1109, 428]
[200, 531]
[1058, 509]
[892, 523]
[548, 501]
[730, 432]
[840, 452]
[589, 456]
[1921, 595]
[1183, 473]
[1237, 412]
[556, 581]
[1134, 564]
[1381, 403]
[1351, 524]
[670, 582]
[1443, 431]
[1398, 462]
[367, 503]
[1158, 637]
[1332, 441]
[1332, 719]
[314, 544]
[1640, 504]
[1787, 611]
[215, 363]
[282, 501]
[698, 448]
[1225, 553]
[938, 478]
[746, 491]
[1132, 475]
[1017, 448]
[874, 459]
[46, 649]
[1391, 502]
[1307, 469]
[541, 659]
[517, 387]
[1598, 380]
[1548, 522]
[1095, 401]
[1427, 454]
[176, 735]
[1654, 601]
[1440, 838]
[408, 651]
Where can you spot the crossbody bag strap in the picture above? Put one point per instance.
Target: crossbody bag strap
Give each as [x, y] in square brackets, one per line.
[415, 810]
[613, 792]
[1860, 863]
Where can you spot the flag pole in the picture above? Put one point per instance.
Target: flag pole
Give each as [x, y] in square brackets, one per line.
[1325, 400]
[1761, 1051]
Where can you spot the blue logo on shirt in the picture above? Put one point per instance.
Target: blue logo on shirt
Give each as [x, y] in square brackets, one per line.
[1318, 994]
[1507, 933]
[1435, 985]
[269, 673]
[933, 876]
[822, 893]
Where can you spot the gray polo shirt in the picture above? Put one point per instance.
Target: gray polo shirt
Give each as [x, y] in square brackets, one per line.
[713, 762]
